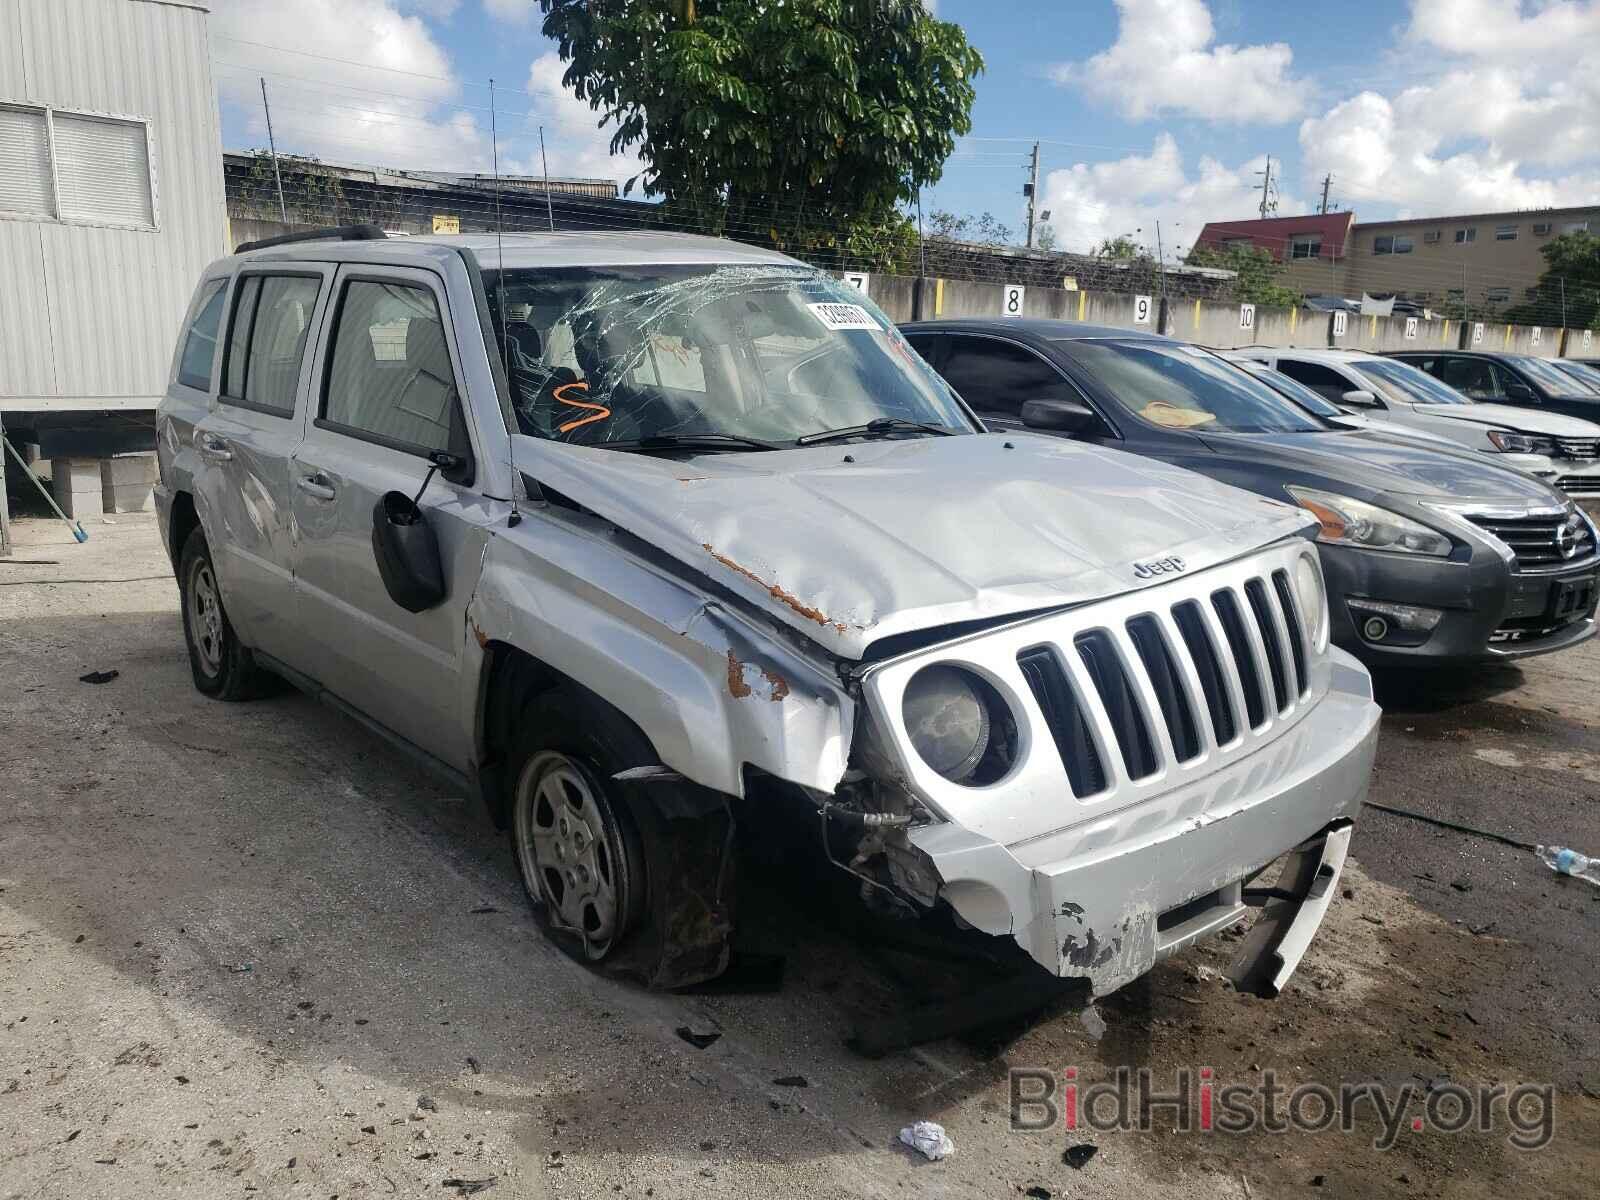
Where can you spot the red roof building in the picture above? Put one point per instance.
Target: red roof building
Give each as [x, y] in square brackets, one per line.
[1319, 235]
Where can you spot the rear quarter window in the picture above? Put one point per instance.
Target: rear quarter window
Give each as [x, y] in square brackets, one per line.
[200, 338]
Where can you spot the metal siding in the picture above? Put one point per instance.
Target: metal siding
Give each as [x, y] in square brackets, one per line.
[114, 297]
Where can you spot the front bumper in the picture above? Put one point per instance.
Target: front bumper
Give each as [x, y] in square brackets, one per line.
[1488, 610]
[1105, 899]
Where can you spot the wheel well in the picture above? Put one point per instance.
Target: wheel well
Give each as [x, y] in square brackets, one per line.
[183, 521]
[510, 679]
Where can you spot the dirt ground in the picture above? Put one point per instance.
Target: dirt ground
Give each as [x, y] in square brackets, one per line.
[241, 944]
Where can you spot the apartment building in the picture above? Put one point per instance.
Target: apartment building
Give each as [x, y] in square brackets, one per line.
[1491, 259]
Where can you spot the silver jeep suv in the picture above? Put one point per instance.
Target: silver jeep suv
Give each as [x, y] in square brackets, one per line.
[640, 537]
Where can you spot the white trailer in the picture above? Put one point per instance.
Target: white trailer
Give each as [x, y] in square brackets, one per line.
[111, 204]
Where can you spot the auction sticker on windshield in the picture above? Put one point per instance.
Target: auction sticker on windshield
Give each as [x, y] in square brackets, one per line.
[843, 316]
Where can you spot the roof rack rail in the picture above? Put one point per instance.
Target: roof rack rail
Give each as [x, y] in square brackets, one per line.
[332, 233]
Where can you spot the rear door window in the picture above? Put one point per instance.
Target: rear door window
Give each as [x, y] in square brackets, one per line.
[1325, 381]
[1475, 377]
[390, 379]
[999, 377]
[267, 341]
[200, 340]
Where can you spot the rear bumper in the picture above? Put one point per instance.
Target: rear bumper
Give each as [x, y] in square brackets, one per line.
[1107, 899]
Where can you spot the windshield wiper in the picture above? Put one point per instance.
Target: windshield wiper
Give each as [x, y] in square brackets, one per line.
[877, 425]
[700, 442]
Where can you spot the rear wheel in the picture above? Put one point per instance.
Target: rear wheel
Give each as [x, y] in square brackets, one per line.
[222, 666]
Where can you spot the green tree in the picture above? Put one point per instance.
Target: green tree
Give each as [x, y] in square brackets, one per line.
[979, 231]
[1256, 270]
[804, 123]
[1569, 289]
[1120, 248]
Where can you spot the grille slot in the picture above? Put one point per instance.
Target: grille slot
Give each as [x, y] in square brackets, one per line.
[1111, 682]
[1064, 717]
[1256, 593]
[1244, 660]
[1167, 682]
[1535, 540]
[1579, 447]
[1297, 629]
[1213, 684]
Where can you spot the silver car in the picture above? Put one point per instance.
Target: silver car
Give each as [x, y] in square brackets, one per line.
[640, 537]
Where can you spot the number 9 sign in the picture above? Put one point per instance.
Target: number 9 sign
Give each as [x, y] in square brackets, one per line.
[1012, 304]
[1141, 310]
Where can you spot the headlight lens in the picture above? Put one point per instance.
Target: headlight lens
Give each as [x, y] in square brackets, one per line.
[958, 724]
[1347, 522]
[1312, 596]
[1520, 443]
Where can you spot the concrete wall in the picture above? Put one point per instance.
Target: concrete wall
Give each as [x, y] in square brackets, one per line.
[1218, 324]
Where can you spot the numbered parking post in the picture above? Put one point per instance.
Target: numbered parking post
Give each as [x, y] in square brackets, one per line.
[1538, 335]
[1341, 323]
[1247, 316]
[1412, 326]
[1143, 306]
[1011, 299]
[1477, 333]
[858, 280]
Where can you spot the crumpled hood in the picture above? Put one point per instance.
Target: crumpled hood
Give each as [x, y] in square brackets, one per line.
[1364, 463]
[1509, 416]
[852, 543]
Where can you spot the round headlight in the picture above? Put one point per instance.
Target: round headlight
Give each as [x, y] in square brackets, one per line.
[1312, 597]
[949, 716]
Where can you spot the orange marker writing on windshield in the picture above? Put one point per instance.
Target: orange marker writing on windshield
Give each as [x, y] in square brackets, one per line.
[598, 412]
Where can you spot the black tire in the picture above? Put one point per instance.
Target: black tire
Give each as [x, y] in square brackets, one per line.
[666, 921]
[222, 665]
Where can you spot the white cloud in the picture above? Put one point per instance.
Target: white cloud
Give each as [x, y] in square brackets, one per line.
[359, 81]
[1090, 202]
[573, 138]
[515, 12]
[1511, 119]
[441, 10]
[1164, 62]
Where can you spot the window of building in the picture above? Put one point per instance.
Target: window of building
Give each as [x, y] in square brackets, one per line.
[1575, 227]
[1506, 233]
[1497, 295]
[267, 341]
[390, 379]
[1392, 244]
[1469, 234]
[200, 343]
[1432, 237]
[100, 172]
[1305, 245]
[1541, 229]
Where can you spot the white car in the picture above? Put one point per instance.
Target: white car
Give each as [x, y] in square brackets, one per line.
[1559, 449]
[1315, 402]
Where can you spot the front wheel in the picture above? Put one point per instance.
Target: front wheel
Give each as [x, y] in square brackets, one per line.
[221, 664]
[632, 879]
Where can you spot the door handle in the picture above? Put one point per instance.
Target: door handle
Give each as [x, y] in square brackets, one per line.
[210, 445]
[318, 486]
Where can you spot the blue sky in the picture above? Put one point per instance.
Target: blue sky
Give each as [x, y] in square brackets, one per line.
[1148, 109]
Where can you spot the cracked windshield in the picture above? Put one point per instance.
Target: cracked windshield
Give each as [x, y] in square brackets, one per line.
[635, 357]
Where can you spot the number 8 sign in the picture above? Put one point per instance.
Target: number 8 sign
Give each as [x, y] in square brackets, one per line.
[1012, 305]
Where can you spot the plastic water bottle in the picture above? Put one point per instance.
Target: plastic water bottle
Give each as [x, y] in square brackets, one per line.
[1569, 862]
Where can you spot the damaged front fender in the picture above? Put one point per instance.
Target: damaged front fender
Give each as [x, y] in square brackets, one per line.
[712, 690]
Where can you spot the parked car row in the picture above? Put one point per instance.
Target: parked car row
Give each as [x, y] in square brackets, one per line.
[1049, 629]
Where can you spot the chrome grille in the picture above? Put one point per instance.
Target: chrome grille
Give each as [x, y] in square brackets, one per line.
[1578, 485]
[1578, 447]
[1539, 541]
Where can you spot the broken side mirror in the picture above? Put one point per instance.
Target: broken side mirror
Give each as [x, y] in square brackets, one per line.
[1058, 416]
[404, 544]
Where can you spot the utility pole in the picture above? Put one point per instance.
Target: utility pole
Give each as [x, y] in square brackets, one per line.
[1161, 264]
[1267, 205]
[283, 211]
[1032, 191]
[549, 210]
[1327, 182]
[1563, 301]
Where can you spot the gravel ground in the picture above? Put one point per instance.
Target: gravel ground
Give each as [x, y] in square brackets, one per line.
[240, 943]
